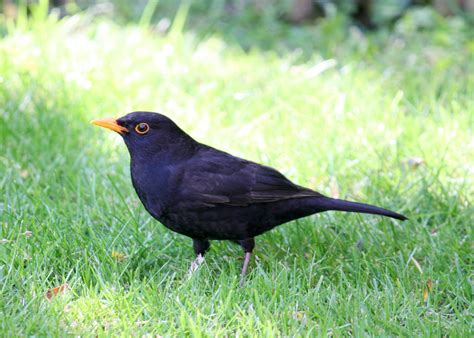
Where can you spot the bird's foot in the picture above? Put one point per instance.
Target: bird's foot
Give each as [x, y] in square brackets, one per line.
[195, 264]
[248, 255]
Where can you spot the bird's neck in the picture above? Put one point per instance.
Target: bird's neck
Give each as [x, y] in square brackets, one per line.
[166, 152]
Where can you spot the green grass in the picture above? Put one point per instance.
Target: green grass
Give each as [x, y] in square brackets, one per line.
[347, 126]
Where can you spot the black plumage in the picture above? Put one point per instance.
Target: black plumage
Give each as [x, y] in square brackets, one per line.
[208, 194]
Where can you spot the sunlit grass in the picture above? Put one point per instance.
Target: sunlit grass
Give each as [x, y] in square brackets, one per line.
[348, 126]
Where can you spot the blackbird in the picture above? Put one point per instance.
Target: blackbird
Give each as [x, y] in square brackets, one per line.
[207, 194]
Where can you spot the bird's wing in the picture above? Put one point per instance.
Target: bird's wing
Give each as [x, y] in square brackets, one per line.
[217, 178]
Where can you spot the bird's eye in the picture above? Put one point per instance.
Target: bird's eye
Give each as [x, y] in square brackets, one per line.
[142, 128]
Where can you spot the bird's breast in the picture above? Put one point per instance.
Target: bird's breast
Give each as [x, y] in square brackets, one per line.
[151, 185]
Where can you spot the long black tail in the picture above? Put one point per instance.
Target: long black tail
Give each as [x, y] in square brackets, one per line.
[334, 204]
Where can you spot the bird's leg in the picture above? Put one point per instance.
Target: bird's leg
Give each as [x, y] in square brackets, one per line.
[248, 255]
[200, 247]
[247, 245]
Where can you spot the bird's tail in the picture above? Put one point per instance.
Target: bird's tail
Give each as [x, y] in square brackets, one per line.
[340, 205]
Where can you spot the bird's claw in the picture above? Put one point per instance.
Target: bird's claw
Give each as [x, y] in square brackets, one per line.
[195, 264]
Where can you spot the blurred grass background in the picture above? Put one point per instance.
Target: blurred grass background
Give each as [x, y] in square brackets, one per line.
[379, 111]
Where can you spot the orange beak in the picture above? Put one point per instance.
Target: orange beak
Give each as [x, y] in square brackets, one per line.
[110, 124]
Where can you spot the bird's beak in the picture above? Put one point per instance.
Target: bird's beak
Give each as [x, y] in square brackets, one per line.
[110, 124]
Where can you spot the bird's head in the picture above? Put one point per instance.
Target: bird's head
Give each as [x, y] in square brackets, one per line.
[147, 134]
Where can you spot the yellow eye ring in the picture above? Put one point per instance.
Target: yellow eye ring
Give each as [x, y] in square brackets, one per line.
[142, 128]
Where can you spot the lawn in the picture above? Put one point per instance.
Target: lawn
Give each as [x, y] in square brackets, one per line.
[386, 118]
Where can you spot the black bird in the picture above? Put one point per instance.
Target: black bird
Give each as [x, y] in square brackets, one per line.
[207, 194]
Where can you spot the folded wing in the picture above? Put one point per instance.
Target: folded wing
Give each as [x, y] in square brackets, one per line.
[217, 178]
